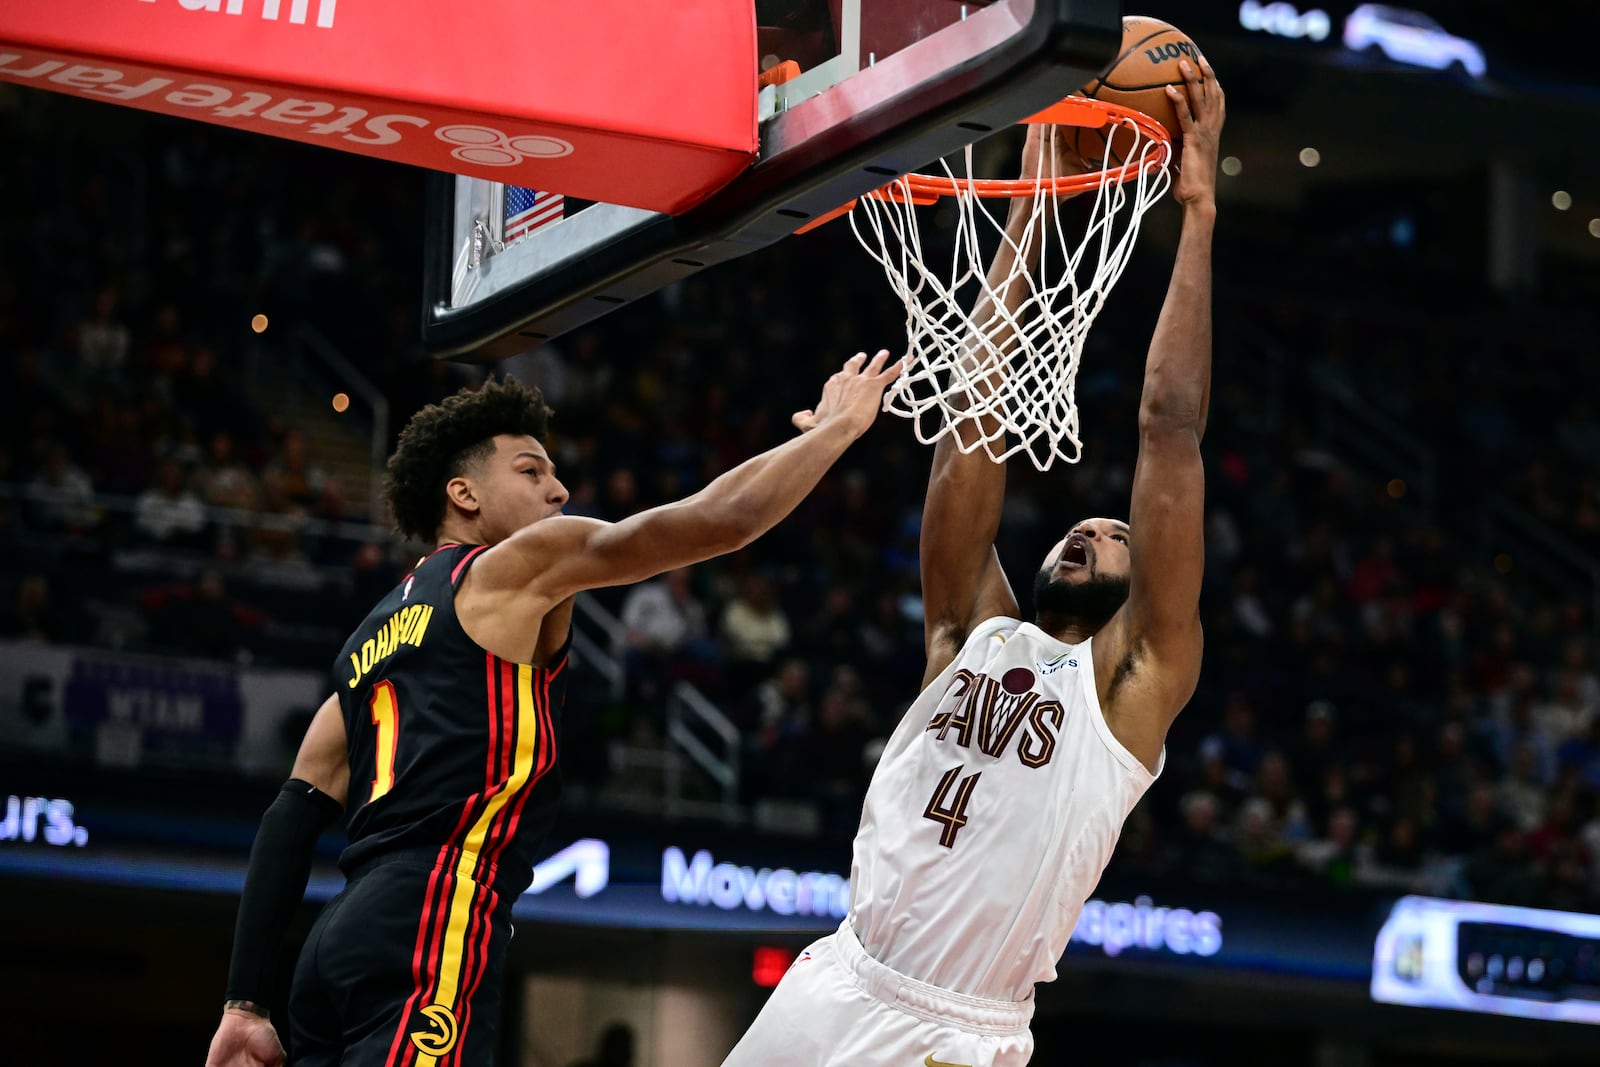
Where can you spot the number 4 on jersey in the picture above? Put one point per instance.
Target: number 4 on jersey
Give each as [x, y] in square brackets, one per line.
[953, 815]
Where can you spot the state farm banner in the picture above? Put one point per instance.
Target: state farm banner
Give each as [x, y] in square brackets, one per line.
[647, 105]
[117, 709]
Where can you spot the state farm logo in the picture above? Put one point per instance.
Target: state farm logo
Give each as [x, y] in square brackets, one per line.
[299, 10]
[488, 147]
[288, 116]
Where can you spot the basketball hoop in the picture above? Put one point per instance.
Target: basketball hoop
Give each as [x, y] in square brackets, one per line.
[1025, 387]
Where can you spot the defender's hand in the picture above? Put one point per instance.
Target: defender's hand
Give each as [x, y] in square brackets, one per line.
[1201, 109]
[244, 1039]
[853, 396]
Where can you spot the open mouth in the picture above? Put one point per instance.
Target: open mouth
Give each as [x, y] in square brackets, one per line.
[1076, 552]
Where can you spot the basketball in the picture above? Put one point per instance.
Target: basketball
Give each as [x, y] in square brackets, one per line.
[1146, 64]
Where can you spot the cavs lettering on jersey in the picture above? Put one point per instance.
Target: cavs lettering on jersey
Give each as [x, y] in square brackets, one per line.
[452, 761]
[993, 811]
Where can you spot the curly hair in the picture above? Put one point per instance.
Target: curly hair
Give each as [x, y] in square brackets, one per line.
[444, 440]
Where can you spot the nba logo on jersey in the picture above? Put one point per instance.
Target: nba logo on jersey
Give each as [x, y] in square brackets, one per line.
[410, 581]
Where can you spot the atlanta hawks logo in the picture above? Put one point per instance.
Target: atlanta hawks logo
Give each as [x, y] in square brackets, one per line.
[440, 1036]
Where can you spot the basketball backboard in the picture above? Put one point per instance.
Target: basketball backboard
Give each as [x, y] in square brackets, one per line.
[884, 86]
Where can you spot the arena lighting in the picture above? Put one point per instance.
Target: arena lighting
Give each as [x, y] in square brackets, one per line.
[1594, 227]
[43, 819]
[1285, 20]
[1115, 927]
[1412, 38]
[587, 860]
[1231, 166]
[769, 965]
[702, 881]
[1310, 157]
[1489, 958]
[583, 883]
[1111, 927]
[1561, 199]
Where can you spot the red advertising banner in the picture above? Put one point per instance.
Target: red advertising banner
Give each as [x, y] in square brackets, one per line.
[644, 104]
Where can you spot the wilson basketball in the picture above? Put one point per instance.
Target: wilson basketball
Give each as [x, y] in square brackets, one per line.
[1137, 78]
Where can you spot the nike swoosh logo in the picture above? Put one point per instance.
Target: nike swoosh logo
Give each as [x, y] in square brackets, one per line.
[931, 1062]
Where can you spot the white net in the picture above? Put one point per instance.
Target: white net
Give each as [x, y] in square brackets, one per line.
[1009, 379]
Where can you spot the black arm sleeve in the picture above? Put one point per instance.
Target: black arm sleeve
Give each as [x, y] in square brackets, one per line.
[280, 865]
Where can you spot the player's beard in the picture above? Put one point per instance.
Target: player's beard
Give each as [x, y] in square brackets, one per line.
[1090, 604]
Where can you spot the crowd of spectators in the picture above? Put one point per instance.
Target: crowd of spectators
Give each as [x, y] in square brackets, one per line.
[1386, 700]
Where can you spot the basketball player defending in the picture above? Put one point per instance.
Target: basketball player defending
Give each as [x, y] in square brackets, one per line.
[1000, 797]
[441, 735]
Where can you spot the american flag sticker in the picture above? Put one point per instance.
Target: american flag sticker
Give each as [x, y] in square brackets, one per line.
[529, 209]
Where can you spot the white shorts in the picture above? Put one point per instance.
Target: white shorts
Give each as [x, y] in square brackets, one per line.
[839, 1007]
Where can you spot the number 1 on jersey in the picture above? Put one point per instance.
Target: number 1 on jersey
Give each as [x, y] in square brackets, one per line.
[954, 814]
[386, 717]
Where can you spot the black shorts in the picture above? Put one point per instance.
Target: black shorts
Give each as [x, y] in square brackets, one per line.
[402, 969]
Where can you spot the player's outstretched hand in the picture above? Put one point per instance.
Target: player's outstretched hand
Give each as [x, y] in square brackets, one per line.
[1050, 146]
[244, 1039]
[1201, 109]
[853, 395]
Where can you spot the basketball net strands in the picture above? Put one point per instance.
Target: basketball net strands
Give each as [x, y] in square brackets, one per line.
[1010, 378]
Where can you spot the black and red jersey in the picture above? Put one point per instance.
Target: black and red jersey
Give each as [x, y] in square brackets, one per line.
[451, 748]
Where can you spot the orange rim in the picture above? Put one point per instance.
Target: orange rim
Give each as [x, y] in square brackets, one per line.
[1073, 111]
[1081, 111]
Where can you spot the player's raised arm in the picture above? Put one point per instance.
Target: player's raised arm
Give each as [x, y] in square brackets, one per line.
[962, 583]
[551, 560]
[1160, 628]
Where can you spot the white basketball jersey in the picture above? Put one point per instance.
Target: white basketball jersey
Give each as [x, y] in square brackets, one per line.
[992, 813]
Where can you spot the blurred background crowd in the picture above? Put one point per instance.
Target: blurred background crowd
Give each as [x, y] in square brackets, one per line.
[1400, 684]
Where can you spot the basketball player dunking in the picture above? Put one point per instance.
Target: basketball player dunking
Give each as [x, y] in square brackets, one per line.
[441, 734]
[998, 800]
